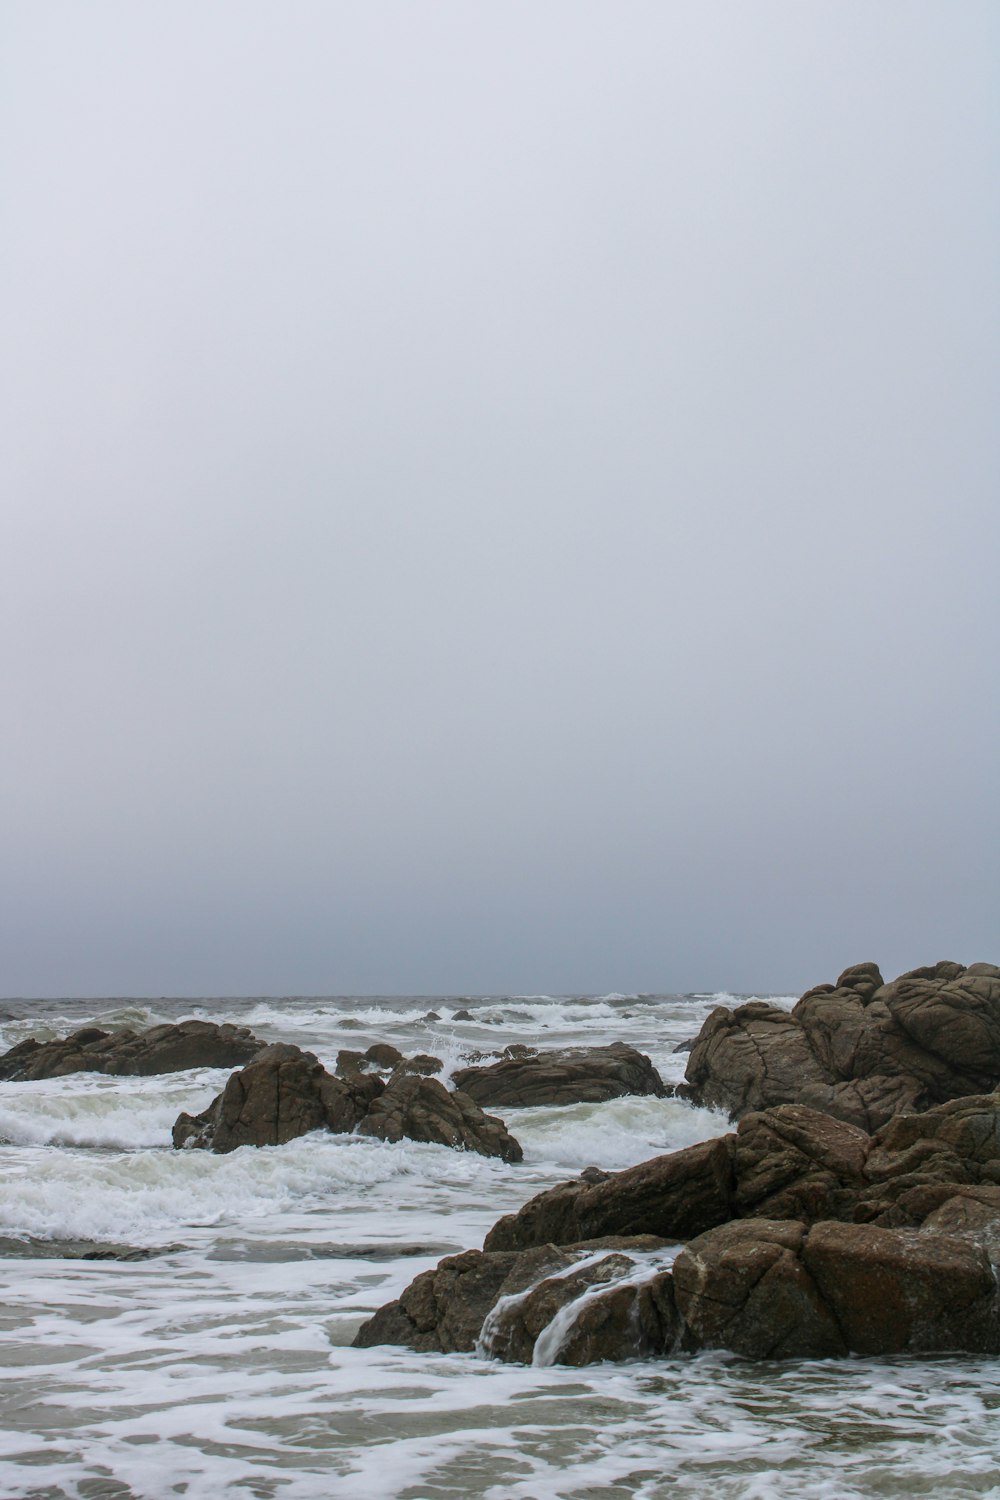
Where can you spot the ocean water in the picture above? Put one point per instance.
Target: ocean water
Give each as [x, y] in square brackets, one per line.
[220, 1366]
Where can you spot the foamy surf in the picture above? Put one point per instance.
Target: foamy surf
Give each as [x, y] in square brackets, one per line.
[222, 1367]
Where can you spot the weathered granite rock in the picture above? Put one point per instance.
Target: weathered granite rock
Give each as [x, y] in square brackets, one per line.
[672, 1197]
[744, 1287]
[807, 1238]
[384, 1055]
[450, 1307]
[444, 1309]
[422, 1063]
[421, 1109]
[777, 1290]
[861, 1050]
[585, 1075]
[791, 1162]
[283, 1093]
[580, 1315]
[161, 1049]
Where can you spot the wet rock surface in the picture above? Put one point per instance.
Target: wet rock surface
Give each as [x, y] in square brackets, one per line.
[285, 1093]
[503, 1300]
[805, 1237]
[161, 1049]
[861, 1050]
[421, 1109]
[585, 1075]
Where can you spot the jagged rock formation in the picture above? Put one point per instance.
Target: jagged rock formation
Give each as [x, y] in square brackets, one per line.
[421, 1109]
[861, 1050]
[581, 1075]
[503, 1299]
[805, 1236]
[285, 1093]
[161, 1049]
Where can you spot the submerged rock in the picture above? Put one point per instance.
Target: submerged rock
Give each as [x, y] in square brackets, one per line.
[34, 1247]
[861, 1050]
[161, 1049]
[584, 1075]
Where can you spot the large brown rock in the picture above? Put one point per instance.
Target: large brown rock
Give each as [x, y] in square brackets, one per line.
[421, 1109]
[283, 1094]
[777, 1290]
[583, 1075]
[860, 1050]
[444, 1309]
[161, 1049]
[500, 1301]
[672, 1197]
[806, 1238]
[744, 1287]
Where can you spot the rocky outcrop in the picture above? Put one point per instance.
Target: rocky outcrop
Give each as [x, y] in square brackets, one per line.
[672, 1197]
[161, 1049]
[861, 1050]
[805, 1237]
[285, 1093]
[502, 1300]
[585, 1075]
[421, 1109]
[777, 1290]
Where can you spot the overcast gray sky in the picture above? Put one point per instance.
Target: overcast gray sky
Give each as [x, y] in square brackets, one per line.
[497, 496]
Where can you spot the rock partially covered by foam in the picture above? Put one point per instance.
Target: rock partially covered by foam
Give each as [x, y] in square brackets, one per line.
[579, 1075]
[861, 1050]
[421, 1109]
[285, 1093]
[161, 1049]
[502, 1302]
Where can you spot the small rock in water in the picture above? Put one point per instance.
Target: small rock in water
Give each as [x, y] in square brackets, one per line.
[384, 1055]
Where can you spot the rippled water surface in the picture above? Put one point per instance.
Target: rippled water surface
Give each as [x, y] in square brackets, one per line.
[219, 1366]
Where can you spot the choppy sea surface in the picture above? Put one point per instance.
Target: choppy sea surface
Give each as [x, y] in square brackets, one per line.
[221, 1366]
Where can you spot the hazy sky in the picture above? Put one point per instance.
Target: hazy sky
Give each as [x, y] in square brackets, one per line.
[497, 496]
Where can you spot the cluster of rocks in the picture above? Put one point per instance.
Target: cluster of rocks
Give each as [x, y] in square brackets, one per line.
[860, 1049]
[855, 1209]
[160, 1049]
[802, 1236]
[284, 1092]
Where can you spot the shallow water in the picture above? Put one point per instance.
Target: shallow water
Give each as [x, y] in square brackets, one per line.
[220, 1366]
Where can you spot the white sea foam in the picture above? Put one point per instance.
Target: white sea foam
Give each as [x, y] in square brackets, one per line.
[223, 1368]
